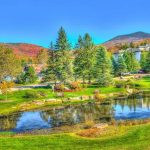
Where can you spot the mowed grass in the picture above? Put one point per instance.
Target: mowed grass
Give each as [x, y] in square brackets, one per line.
[120, 138]
[143, 83]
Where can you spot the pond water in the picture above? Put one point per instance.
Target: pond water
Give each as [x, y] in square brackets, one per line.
[137, 107]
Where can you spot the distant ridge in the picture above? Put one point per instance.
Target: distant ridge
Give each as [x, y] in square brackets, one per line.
[24, 49]
[137, 37]
[133, 36]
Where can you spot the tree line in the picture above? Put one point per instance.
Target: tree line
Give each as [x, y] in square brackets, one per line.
[86, 62]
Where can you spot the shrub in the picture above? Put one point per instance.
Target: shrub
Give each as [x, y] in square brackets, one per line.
[120, 84]
[59, 87]
[98, 96]
[88, 124]
[75, 86]
[34, 94]
[96, 91]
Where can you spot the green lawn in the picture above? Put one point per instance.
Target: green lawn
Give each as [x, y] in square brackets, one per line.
[118, 138]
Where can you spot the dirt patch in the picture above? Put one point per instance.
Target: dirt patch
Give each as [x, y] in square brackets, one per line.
[6, 101]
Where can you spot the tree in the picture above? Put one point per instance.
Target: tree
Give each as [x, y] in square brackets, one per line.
[51, 73]
[85, 58]
[131, 45]
[79, 44]
[131, 61]
[147, 65]
[114, 66]
[103, 67]
[42, 57]
[5, 87]
[62, 41]
[122, 67]
[28, 76]
[10, 66]
[60, 60]
[143, 60]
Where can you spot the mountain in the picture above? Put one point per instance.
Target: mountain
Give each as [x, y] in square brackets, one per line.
[24, 49]
[132, 37]
[136, 38]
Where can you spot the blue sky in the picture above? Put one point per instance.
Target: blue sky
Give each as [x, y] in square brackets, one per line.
[37, 21]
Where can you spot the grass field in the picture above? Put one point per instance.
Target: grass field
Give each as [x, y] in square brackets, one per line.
[115, 138]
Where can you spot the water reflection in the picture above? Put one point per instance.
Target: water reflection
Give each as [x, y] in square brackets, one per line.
[133, 108]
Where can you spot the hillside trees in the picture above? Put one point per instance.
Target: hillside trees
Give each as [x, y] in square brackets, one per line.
[10, 66]
[42, 57]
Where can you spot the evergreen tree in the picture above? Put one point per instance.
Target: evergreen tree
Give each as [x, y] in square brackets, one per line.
[122, 68]
[85, 57]
[147, 65]
[28, 76]
[131, 61]
[114, 66]
[143, 60]
[60, 62]
[51, 73]
[51, 46]
[103, 67]
[62, 41]
[87, 41]
[79, 44]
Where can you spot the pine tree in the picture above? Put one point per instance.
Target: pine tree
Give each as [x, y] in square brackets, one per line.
[28, 76]
[60, 60]
[143, 60]
[122, 67]
[131, 61]
[79, 44]
[62, 41]
[85, 57]
[103, 67]
[147, 65]
[51, 73]
[114, 66]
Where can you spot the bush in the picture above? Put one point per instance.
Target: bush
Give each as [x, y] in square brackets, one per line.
[97, 96]
[120, 84]
[59, 87]
[75, 86]
[96, 91]
[124, 84]
[34, 94]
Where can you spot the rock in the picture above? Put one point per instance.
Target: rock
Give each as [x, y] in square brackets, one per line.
[85, 97]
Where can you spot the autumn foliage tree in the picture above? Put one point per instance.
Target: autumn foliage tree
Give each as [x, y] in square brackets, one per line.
[9, 64]
[5, 87]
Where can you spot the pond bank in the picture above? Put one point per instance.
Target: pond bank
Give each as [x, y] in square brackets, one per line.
[36, 104]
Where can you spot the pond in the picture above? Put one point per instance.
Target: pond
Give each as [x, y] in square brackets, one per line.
[137, 107]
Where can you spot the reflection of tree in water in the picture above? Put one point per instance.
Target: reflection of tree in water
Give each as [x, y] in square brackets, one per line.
[134, 102]
[75, 114]
[9, 122]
